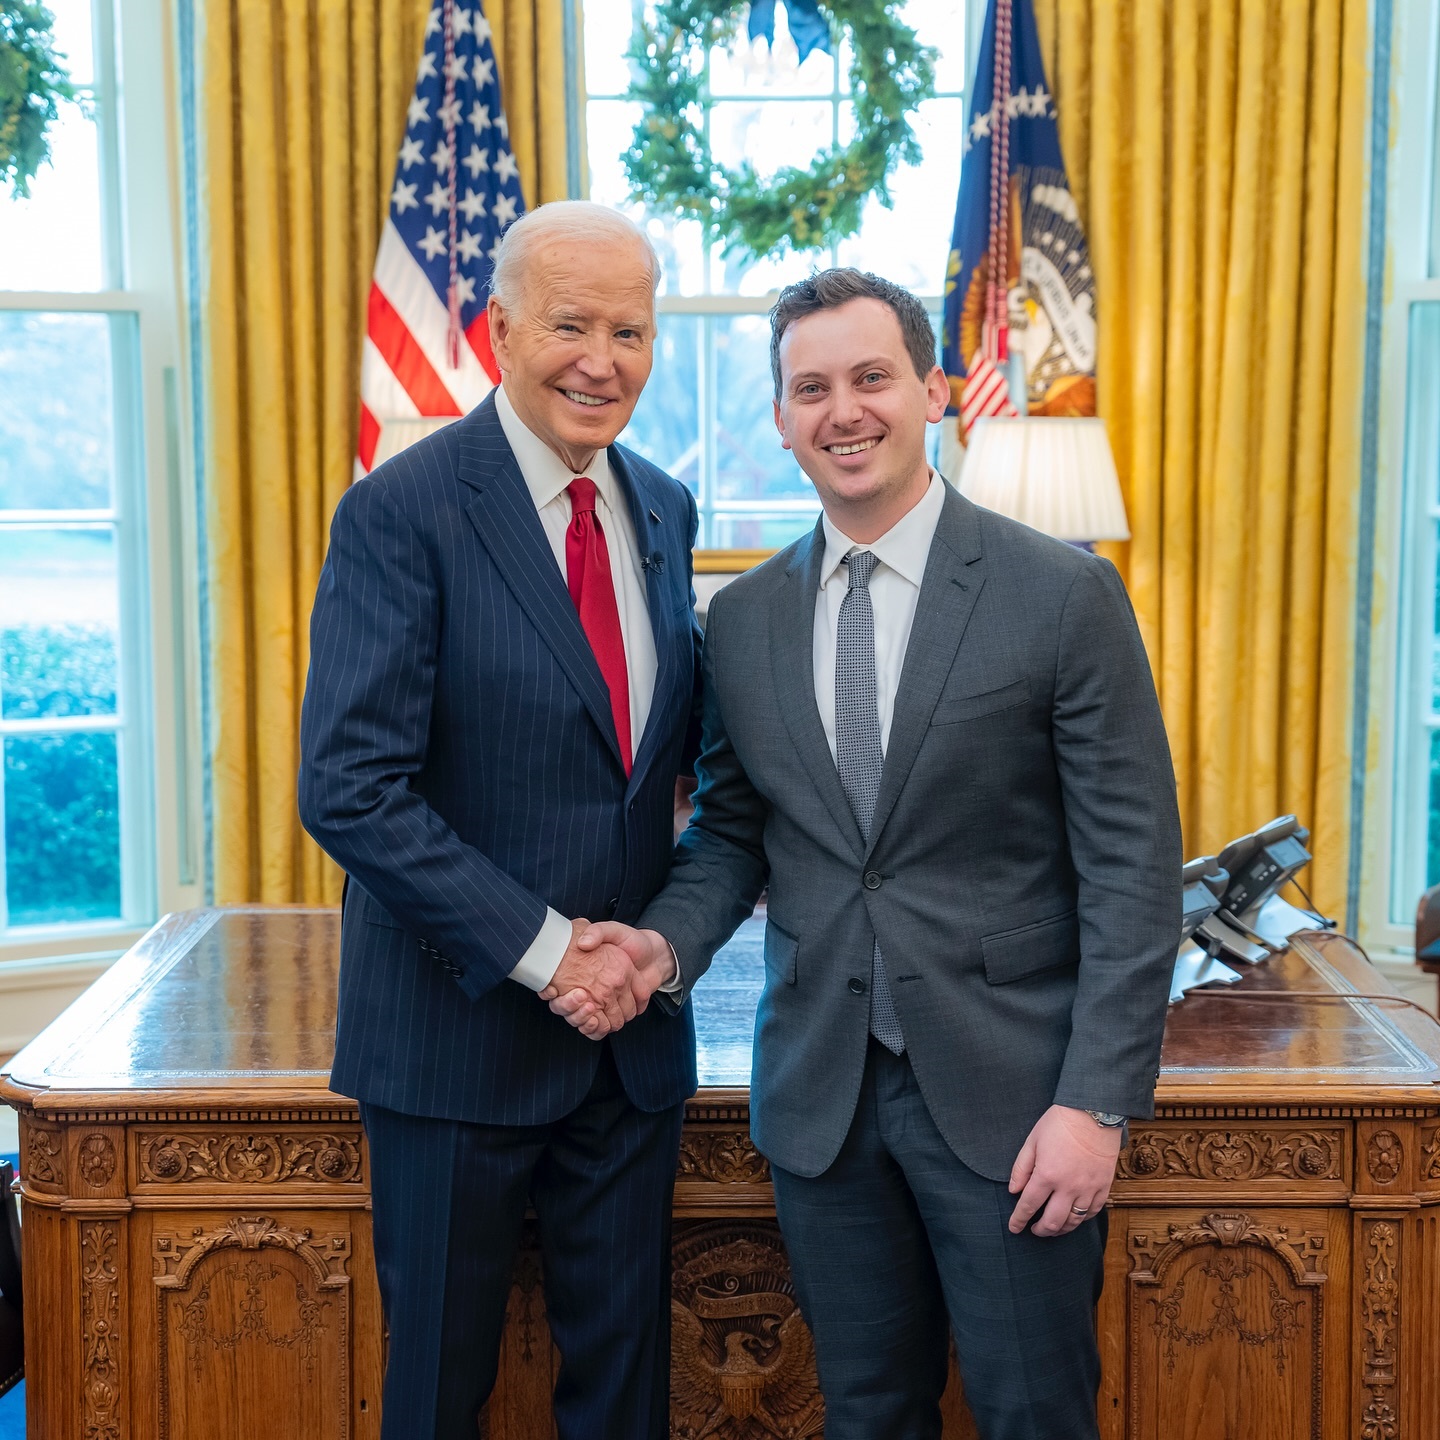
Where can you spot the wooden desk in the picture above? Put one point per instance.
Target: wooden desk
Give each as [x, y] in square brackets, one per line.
[197, 1237]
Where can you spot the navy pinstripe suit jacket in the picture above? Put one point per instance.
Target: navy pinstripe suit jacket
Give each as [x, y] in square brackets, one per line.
[459, 761]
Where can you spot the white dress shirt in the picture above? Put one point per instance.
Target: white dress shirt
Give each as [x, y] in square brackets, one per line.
[547, 476]
[894, 590]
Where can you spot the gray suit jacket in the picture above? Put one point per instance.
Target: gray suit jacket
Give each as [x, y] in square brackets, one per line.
[1023, 870]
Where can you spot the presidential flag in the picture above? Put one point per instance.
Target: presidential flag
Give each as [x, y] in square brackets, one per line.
[427, 342]
[1018, 281]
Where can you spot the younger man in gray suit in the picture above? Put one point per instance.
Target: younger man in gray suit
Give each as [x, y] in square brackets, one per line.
[934, 733]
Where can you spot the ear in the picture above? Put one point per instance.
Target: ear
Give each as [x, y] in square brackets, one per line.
[780, 426]
[499, 332]
[937, 395]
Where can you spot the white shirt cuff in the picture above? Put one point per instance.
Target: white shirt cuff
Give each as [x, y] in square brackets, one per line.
[675, 985]
[539, 963]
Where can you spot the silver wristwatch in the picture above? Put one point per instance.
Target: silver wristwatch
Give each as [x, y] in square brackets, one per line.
[1105, 1118]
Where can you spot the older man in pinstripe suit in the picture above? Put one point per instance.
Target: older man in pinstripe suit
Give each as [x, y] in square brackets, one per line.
[500, 701]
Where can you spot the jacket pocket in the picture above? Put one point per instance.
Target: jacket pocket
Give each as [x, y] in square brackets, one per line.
[972, 707]
[372, 912]
[1031, 949]
[781, 953]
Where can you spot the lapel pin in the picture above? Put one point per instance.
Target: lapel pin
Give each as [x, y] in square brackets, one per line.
[655, 517]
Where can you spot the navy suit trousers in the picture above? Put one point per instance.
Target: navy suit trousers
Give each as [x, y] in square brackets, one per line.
[449, 1202]
[899, 1237]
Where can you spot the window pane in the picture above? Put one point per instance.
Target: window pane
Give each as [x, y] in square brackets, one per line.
[62, 828]
[56, 419]
[1435, 633]
[750, 462]
[607, 38]
[609, 126]
[751, 68]
[758, 532]
[59, 622]
[910, 243]
[1432, 867]
[770, 133]
[665, 428]
[52, 239]
[74, 37]
[941, 23]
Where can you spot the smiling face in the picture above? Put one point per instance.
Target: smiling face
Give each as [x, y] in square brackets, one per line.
[575, 353]
[853, 412]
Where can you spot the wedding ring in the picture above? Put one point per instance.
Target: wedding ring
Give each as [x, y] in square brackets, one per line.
[1079, 1209]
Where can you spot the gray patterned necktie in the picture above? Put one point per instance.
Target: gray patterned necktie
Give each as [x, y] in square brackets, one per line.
[858, 754]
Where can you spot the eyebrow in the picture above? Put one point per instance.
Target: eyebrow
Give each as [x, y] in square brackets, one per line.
[874, 363]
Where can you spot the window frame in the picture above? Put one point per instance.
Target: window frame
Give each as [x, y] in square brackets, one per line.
[717, 560]
[153, 505]
[1396, 753]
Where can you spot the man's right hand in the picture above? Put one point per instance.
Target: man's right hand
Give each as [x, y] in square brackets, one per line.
[651, 962]
[605, 975]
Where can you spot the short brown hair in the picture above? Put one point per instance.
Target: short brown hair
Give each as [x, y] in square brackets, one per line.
[832, 288]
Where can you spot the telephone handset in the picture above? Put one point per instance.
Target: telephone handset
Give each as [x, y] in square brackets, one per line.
[1202, 883]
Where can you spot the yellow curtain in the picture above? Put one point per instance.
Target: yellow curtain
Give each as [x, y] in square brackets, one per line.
[1216, 151]
[303, 106]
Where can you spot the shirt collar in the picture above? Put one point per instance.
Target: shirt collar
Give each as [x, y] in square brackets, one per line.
[904, 547]
[546, 475]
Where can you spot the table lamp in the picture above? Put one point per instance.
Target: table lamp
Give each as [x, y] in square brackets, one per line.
[1054, 474]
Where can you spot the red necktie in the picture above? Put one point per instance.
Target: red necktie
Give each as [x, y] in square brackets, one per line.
[592, 588]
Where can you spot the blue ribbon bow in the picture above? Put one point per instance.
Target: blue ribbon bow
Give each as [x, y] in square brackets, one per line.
[809, 29]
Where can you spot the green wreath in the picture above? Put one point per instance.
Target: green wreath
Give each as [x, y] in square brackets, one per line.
[671, 168]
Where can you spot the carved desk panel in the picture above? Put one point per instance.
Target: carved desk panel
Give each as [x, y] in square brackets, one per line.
[197, 1233]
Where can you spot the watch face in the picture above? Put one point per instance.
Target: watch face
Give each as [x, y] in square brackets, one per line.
[1105, 1118]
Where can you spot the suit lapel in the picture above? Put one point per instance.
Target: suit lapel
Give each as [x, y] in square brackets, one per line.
[652, 540]
[954, 577]
[503, 513]
[792, 662]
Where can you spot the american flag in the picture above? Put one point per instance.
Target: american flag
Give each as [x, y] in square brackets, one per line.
[427, 352]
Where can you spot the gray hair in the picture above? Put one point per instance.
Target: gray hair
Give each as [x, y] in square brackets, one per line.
[572, 219]
[832, 288]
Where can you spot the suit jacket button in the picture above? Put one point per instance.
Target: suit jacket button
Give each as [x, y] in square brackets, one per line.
[857, 985]
[872, 880]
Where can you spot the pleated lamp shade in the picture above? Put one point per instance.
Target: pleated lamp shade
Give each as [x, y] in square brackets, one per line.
[1053, 474]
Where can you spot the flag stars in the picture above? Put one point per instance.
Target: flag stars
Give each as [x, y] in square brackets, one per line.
[449, 113]
[438, 198]
[476, 161]
[403, 197]
[472, 206]
[494, 253]
[412, 152]
[468, 246]
[433, 21]
[481, 27]
[484, 70]
[419, 111]
[480, 116]
[461, 22]
[443, 156]
[465, 289]
[503, 125]
[980, 125]
[455, 67]
[504, 211]
[433, 244]
[427, 67]
[505, 167]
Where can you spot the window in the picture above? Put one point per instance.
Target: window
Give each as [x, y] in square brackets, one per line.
[91, 510]
[706, 414]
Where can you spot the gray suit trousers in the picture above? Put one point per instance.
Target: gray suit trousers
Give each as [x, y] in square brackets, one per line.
[898, 1243]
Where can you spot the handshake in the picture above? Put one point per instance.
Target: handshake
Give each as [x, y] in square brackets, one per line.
[607, 976]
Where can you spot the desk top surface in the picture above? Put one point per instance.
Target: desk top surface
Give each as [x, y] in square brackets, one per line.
[243, 1000]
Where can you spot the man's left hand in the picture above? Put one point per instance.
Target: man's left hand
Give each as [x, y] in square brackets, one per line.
[1065, 1167]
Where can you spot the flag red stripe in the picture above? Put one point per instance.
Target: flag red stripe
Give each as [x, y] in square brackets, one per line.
[479, 337]
[369, 437]
[406, 359]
